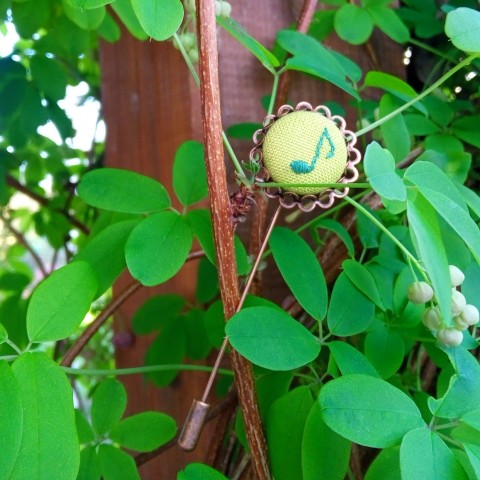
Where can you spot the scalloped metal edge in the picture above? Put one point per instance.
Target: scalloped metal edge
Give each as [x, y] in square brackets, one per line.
[309, 202]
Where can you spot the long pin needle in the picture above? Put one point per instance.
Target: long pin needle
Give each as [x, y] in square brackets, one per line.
[197, 415]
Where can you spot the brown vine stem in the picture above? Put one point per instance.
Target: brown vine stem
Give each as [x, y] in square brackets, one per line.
[106, 313]
[14, 183]
[222, 224]
[22, 241]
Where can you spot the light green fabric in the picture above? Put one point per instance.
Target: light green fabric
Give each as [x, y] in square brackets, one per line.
[304, 148]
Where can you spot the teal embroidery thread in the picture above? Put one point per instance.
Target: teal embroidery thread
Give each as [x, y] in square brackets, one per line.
[302, 167]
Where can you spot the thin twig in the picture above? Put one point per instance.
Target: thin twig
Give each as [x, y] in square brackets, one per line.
[90, 331]
[107, 312]
[22, 241]
[143, 458]
[222, 224]
[45, 202]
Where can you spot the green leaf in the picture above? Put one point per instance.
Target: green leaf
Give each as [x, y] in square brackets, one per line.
[84, 430]
[432, 181]
[389, 23]
[167, 349]
[349, 360]
[198, 345]
[156, 312]
[50, 76]
[312, 57]
[471, 199]
[108, 405]
[207, 281]
[109, 29]
[189, 175]
[198, 471]
[115, 464]
[473, 453]
[89, 465]
[243, 131]
[363, 280]
[424, 226]
[368, 411]
[423, 455]
[419, 125]
[325, 454]
[466, 128]
[353, 24]
[271, 338]
[158, 247]
[201, 224]
[352, 317]
[11, 420]
[49, 447]
[301, 272]
[464, 387]
[122, 191]
[285, 424]
[394, 131]
[462, 26]
[144, 432]
[89, 3]
[395, 86]
[447, 202]
[385, 350]
[268, 60]
[3, 334]
[386, 465]
[86, 19]
[124, 10]
[53, 316]
[159, 18]
[105, 253]
[472, 418]
[380, 169]
[335, 227]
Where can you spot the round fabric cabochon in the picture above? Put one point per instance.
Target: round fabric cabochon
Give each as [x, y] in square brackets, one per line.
[305, 147]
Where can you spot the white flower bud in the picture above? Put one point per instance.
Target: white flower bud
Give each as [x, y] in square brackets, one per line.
[188, 40]
[431, 318]
[226, 9]
[218, 8]
[458, 303]
[450, 337]
[420, 292]
[193, 54]
[456, 276]
[470, 315]
[460, 323]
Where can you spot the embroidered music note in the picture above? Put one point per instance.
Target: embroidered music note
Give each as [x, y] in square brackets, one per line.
[301, 166]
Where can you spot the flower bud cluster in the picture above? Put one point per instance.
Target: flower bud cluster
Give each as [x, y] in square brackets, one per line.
[188, 38]
[222, 8]
[464, 315]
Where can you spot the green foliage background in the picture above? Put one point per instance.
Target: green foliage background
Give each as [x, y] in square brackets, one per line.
[349, 368]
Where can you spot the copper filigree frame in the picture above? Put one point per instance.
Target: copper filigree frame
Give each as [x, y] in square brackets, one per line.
[308, 202]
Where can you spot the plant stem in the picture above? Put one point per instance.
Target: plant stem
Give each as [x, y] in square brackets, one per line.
[223, 227]
[429, 90]
[273, 95]
[382, 227]
[430, 49]
[12, 345]
[144, 369]
[20, 237]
